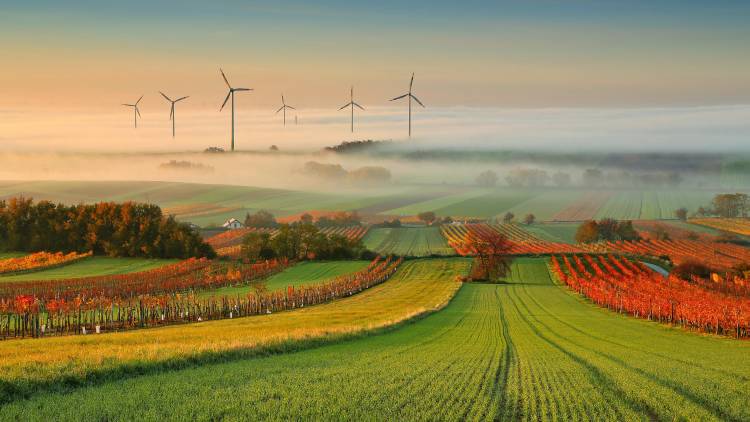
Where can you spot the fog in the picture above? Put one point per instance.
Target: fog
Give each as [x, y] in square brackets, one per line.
[103, 145]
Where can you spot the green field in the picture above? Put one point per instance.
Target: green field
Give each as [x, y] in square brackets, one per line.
[94, 266]
[302, 274]
[528, 349]
[407, 241]
[554, 232]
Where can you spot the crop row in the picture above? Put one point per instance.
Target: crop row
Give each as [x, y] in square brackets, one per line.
[522, 242]
[39, 261]
[734, 225]
[26, 316]
[717, 255]
[190, 274]
[228, 243]
[627, 287]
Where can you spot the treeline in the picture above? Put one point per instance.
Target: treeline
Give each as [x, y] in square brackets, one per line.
[301, 241]
[114, 229]
[265, 220]
[727, 205]
[605, 229]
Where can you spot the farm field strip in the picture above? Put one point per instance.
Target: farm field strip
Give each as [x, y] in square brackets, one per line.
[523, 350]
[734, 225]
[488, 205]
[721, 306]
[440, 202]
[39, 261]
[417, 287]
[544, 205]
[302, 274]
[522, 241]
[407, 241]
[583, 208]
[90, 267]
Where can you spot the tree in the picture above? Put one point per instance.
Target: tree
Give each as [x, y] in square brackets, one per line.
[508, 217]
[661, 232]
[492, 250]
[588, 232]
[529, 219]
[681, 213]
[261, 220]
[256, 246]
[487, 179]
[731, 205]
[428, 217]
[306, 218]
[691, 268]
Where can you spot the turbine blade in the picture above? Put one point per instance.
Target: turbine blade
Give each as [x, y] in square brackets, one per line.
[280, 108]
[129, 105]
[180, 99]
[289, 107]
[345, 106]
[398, 98]
[139, 100]
[242, 89]
[225, 100]
[417, 100]
[225, 78]
[138, 111]
[411, 82]
[165, 96]
[360, 107]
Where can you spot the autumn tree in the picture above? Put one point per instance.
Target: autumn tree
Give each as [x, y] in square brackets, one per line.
[492, 250]
[261, 220]
[681, 213]
[428, 217]
[508, 217]
[529, 219]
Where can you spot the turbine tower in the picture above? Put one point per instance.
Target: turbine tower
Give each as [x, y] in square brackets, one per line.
[410, 96]
[231, 94]
[171, 112]
[352, 104]
[136, 112]
[284, 107]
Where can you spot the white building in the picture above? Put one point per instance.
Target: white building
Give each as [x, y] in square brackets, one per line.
[232, 224]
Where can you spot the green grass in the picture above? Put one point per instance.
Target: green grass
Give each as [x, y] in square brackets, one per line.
[487, 205]
[7, 255]
[93, 266]
[554, 232]
[302, 274]
[527, 350]
[407, 241]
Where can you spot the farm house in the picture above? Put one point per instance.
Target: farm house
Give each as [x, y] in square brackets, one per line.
[232, 224]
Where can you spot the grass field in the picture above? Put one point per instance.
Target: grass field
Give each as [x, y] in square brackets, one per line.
[525, 350]
[94, 266]
[31, 366]
[302, 274]
[554, 232]
[407, 241]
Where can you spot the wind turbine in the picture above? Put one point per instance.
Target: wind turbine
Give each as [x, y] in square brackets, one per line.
[284, 107]
[136, 112]
[231, 94]
[171, 112]
[352, 104]
[411, 96]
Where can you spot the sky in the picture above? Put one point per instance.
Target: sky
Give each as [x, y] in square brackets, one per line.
[69, 65]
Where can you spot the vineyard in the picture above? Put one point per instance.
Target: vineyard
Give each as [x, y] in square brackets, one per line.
[136, 302]
[721, 256]
[719, 307]
[39, 261]
[525, 350]
[523, 242]
[733, 225]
